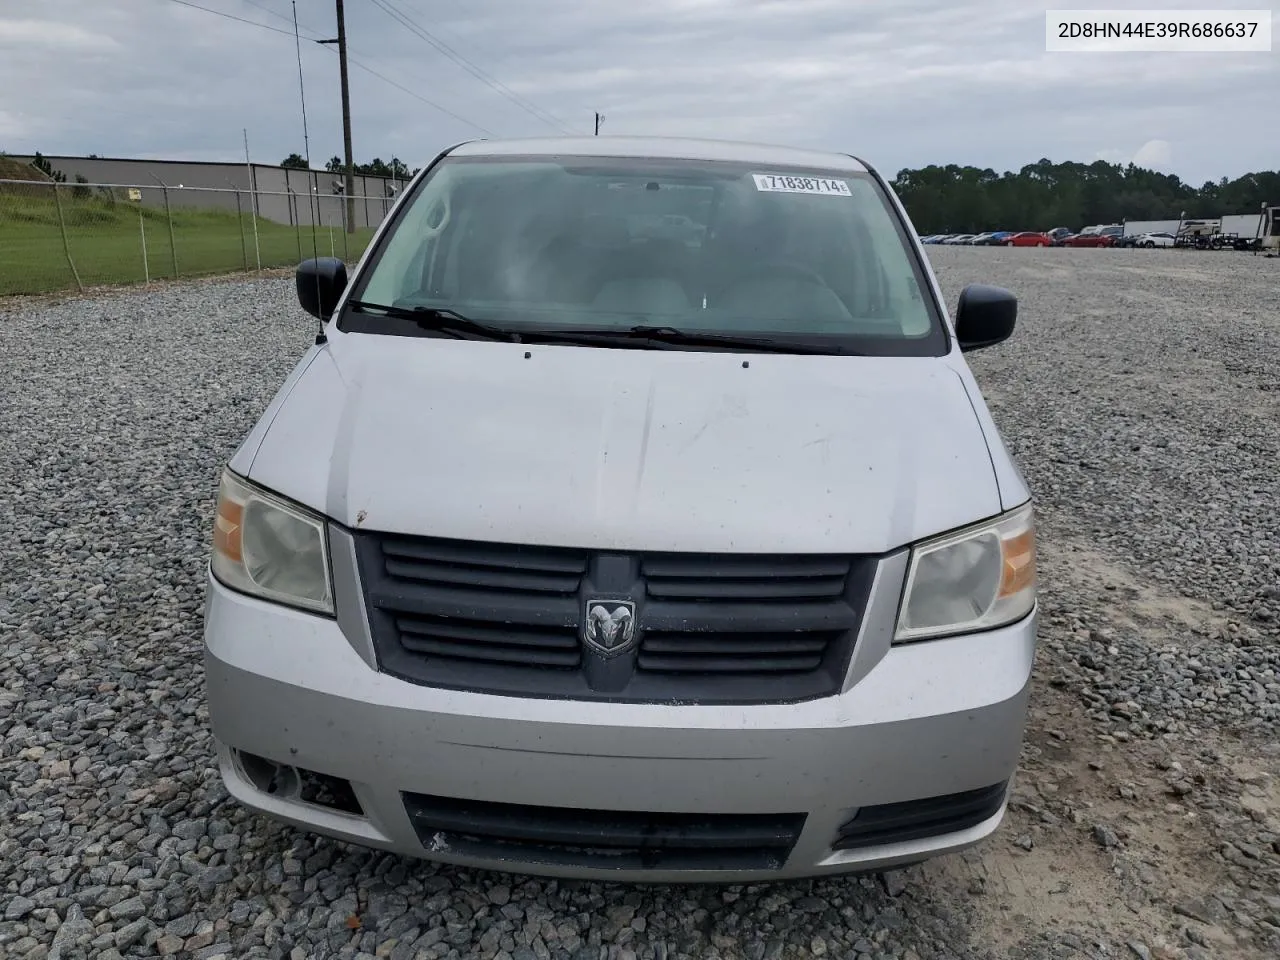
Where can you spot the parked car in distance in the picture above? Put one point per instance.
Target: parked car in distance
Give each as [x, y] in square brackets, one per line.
[1028, 238]
[992, 239]
[1090, 240]
[1156, 240]
[1058, 234]
[958, 239]
[478, 592]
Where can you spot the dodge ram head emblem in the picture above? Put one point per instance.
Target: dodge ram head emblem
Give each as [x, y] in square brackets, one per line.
[610, 626]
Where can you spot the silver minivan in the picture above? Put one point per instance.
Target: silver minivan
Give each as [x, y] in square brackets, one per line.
[634, 516]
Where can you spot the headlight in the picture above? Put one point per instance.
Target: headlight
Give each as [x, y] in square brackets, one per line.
[270, 548]
[974, 579]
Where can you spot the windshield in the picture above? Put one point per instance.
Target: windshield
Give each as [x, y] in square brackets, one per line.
[809, 257]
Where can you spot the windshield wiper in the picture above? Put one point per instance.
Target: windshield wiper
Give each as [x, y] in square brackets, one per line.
[440, 319]
[677, 337]
[451, 322]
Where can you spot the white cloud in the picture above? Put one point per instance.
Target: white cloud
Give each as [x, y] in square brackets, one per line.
[51, 34]
[1156, 154]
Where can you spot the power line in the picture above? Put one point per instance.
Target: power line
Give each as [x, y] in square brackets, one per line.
[401, 87]
[278, 16]
[219, 13]
[351, 59]
[431, 103]
[390, 9]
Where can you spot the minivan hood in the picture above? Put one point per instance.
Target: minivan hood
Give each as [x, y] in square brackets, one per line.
[630, 449]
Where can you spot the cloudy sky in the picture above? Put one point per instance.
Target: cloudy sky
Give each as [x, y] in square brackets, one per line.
[899, 82]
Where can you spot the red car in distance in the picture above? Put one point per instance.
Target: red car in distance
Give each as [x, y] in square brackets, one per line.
[1029, 238]
[1090, 240]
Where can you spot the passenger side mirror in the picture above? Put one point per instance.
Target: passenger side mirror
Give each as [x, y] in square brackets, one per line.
[320, 283]
[985, 316]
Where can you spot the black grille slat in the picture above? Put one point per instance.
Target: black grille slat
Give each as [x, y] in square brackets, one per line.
[692, 617]
[712, 665]
[522, 656]
[499, 556]
[488, 606]
[608, 839]
[614, 858]
[764, 567]
[590, 828]
[779, 589]
[507, 619]
[737, 643]
[461, 632]
[920, 819]
[483, 578]
[749, 578]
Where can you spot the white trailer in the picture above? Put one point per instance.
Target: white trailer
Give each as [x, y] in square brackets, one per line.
[1241, 225]
[1269, 241]
[1133, 228]
[1250, 231]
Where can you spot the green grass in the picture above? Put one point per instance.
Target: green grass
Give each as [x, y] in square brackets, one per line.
[105, 237]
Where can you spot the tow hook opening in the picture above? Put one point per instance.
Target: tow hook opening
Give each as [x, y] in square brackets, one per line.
[299, 784]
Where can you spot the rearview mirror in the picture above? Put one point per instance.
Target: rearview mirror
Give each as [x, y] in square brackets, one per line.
[985, 316]
[320, 283]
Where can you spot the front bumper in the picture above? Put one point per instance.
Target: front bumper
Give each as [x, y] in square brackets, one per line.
[919, 721]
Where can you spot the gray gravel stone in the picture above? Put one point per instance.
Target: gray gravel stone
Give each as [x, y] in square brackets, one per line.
[131, 933]
[1105, 836]
[18, 908]
[129, 909]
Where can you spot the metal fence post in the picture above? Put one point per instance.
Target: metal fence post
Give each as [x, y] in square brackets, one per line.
[297, 221]
[168, 215]
[66, 244]
[142, 232]
[244, 247]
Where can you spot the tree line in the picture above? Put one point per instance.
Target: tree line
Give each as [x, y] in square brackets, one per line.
[1044, 195]
[374, 168]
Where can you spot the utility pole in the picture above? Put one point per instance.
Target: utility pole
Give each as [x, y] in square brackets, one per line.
[599, 120]
[349, 187]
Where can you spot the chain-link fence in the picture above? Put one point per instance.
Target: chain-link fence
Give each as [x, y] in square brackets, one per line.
[68, 236]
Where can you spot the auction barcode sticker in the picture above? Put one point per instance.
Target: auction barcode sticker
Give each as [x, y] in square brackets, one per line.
[1158, 31]
[787, 183]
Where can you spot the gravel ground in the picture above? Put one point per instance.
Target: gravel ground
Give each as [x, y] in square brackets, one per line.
[1140, 395]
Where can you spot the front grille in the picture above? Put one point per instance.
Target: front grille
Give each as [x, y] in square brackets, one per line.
[920, 819]
[466, 602]
[616, 840]
[507, 619]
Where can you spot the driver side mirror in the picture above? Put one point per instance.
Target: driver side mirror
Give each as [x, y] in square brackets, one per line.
[320, 284]
[985, 316]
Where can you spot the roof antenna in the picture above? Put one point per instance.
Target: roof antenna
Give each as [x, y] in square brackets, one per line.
[312, 188]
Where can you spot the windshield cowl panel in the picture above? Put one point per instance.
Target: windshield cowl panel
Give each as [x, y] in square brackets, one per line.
[696, 253]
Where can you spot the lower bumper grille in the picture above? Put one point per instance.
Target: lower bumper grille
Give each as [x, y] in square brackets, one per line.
[613, 839]
[920, 819]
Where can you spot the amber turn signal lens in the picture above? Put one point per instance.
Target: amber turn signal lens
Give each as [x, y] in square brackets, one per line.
[227, 528]
[1019, 570]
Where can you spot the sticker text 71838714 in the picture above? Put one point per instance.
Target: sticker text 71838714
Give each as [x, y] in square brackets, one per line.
[787, 183]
